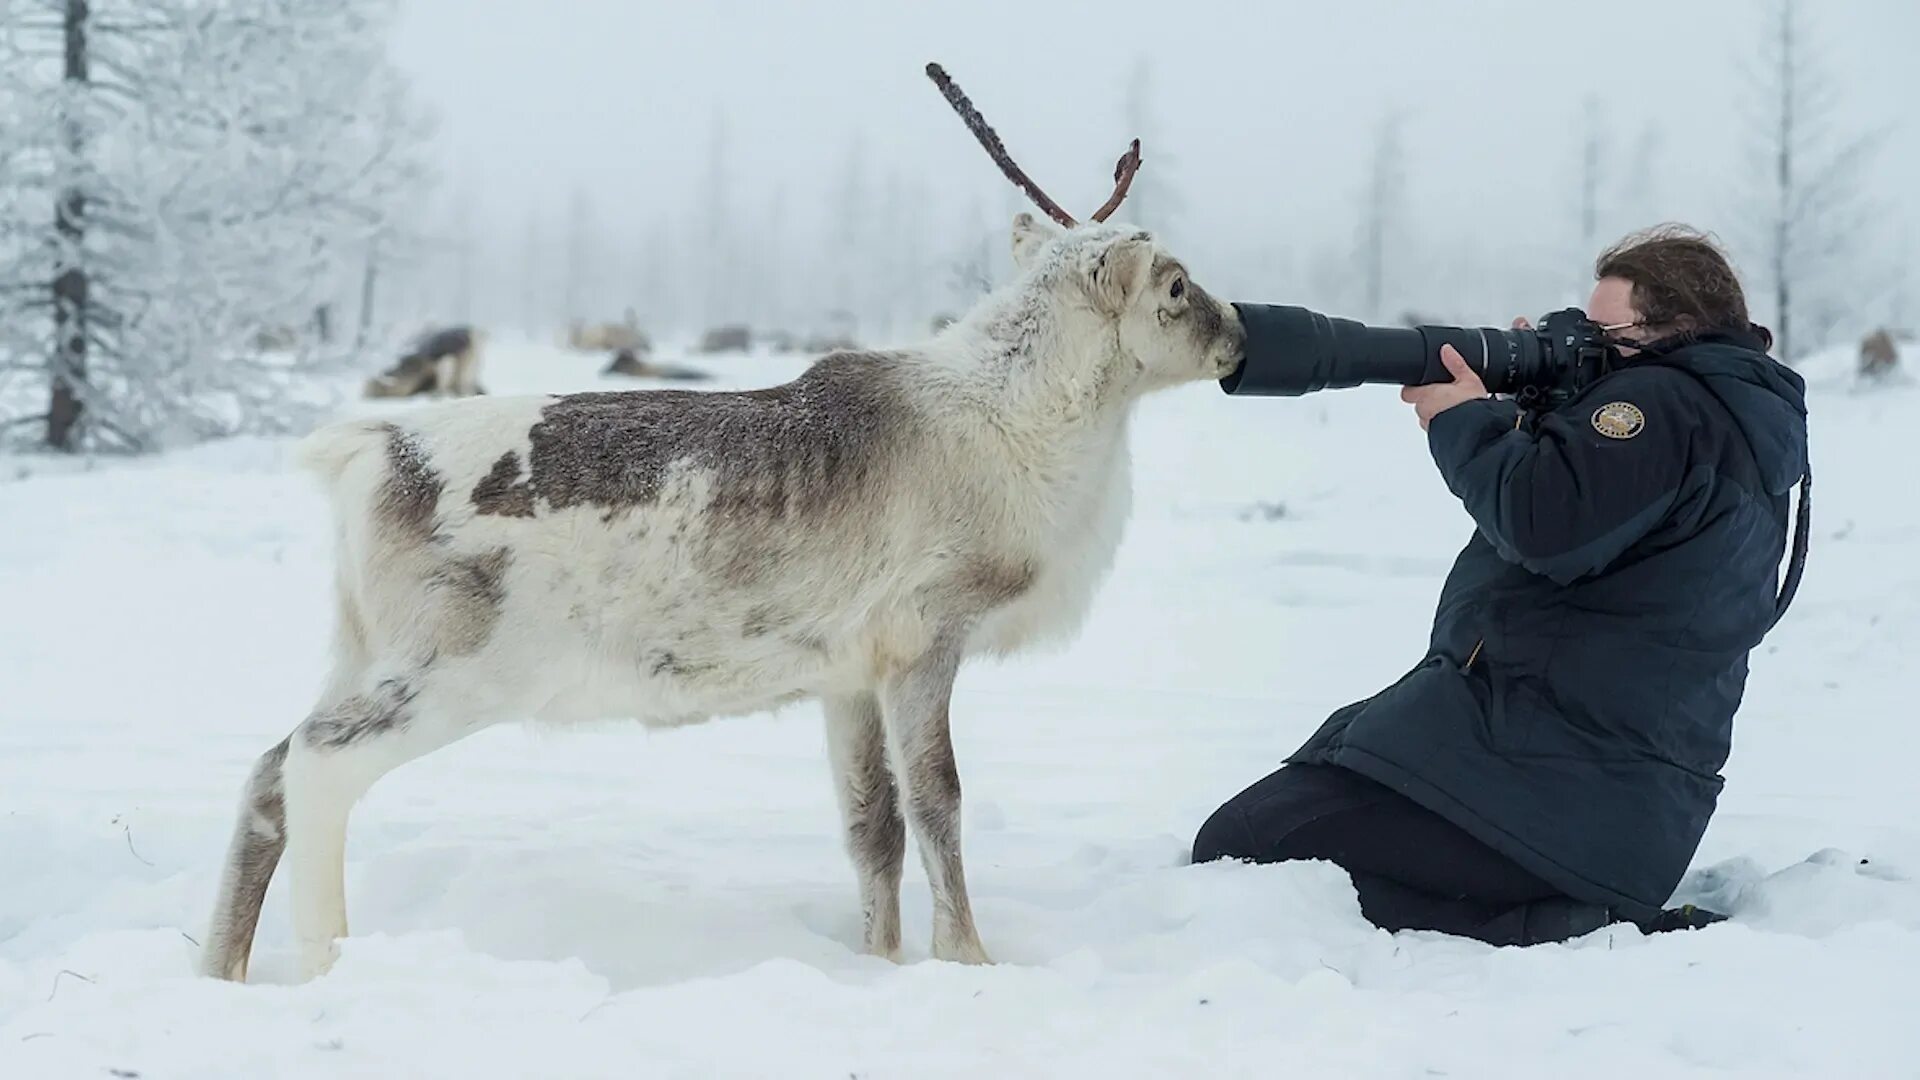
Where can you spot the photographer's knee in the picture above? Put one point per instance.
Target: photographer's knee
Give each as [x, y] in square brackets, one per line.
[1224, 835]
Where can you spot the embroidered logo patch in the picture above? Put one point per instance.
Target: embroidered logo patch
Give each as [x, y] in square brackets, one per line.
[1618, 420]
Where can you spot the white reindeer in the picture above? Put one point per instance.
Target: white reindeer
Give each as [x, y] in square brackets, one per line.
[851, 536]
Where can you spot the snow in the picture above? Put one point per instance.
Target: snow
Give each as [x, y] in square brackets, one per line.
[609, 902]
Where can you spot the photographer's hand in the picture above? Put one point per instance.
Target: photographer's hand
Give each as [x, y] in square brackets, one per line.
[1433, 399]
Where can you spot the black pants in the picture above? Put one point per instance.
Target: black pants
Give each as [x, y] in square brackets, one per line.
[1412, 869]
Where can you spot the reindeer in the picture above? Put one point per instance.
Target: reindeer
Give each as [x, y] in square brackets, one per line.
[599, 337]
[627, 362]
[445, 363]
[730, 338]
[1880, 353]
[851, 537]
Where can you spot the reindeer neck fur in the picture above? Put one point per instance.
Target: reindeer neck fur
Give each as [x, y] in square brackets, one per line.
[1042, 390]
[1040, 376]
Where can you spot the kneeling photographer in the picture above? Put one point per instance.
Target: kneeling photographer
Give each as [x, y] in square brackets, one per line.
[1550, 766]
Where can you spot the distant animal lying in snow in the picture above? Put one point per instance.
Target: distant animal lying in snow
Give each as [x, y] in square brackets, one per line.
[626, 362]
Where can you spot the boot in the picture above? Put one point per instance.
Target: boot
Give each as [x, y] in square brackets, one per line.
[1684, 917]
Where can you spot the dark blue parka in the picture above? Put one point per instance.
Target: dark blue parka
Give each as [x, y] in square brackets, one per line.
[1590, 646]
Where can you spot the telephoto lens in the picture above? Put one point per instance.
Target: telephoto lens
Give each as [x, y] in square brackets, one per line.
[1293, 351]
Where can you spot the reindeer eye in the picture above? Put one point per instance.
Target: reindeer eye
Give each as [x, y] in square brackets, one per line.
[1179, 288]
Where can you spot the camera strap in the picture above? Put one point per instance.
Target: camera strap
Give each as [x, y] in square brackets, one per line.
[1797, 559]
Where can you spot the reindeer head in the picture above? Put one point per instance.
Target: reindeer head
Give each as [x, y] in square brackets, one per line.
[1120, 284]
[1167, 327]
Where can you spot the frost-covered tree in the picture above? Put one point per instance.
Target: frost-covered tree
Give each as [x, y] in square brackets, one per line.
[1615, 190]
[848, 240]
[369, 295]
[462, 227]
[1639, 191]
[1810, 209]
[721, 302]
[893, 267]
[199, 178]
[970, 265]
[656, 304]
[1153, 202]
[582, 257]
[1592, 155]
[766, 266]
[1383, 219]
[533, 277]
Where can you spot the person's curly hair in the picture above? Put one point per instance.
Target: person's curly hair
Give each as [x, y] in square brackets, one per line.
[1681, 279]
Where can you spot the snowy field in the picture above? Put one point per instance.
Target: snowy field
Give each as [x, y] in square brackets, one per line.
[614, 903]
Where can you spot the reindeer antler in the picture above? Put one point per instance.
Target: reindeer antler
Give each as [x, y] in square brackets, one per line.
[1122, 173]
[997, 150]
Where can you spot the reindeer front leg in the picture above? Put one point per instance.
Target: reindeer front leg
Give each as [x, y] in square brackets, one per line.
[914, 702]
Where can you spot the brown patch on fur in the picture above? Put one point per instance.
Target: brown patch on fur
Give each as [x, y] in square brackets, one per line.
[410, 495]
[666, 662]
[384, 709]
[797, 448]
[760, 620]
[500, 492]
[266, 789]
[993, 583]
[980, 584]
[473, 591]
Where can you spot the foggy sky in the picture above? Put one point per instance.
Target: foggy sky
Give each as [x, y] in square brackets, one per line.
[1263, 113]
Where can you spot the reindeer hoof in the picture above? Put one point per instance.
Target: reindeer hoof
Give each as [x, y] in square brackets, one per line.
[971, 952]
[316, 958]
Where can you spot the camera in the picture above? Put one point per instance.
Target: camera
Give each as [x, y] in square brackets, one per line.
[1294, 350]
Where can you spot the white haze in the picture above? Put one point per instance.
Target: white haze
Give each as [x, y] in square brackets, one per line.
[1261, 121]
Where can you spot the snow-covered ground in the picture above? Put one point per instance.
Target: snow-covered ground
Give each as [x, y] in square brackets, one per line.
[618, 903]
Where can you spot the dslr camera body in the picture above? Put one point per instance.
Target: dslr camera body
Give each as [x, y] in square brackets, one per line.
[1293, 351]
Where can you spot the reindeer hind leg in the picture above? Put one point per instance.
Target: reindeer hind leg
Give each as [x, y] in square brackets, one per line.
[340, 752]
[259, 838]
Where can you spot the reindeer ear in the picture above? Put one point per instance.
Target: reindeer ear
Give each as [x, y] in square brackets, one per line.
[1120, 272]
[1029, 235]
